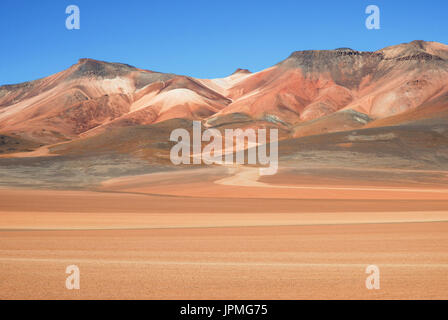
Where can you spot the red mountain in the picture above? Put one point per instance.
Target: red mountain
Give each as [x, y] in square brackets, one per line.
[311, 92]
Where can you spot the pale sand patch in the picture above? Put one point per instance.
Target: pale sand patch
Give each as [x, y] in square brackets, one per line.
[39, 152]
[248, 177]
[121, 220]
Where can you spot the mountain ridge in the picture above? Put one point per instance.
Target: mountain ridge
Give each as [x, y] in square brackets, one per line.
[92, 95]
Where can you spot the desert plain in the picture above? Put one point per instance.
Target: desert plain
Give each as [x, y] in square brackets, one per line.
[226, 233]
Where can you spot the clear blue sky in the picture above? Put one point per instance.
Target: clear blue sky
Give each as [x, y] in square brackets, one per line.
[201, 38]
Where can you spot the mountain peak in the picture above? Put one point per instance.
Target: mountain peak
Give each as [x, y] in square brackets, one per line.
[88, 60]
[87, 67]
[239, 70]
[417, 49]
[345, 49]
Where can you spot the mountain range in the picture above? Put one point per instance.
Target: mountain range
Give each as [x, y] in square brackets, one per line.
[95, 104]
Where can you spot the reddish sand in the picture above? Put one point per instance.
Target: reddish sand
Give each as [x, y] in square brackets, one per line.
[136, 245]
[219, 263]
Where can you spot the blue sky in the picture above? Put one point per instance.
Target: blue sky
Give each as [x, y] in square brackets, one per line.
[200, 38]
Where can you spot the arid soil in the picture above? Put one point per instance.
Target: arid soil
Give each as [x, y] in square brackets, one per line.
[212, 239]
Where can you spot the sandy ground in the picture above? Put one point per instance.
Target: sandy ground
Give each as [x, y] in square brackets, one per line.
[39, 152]
[214, 239]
